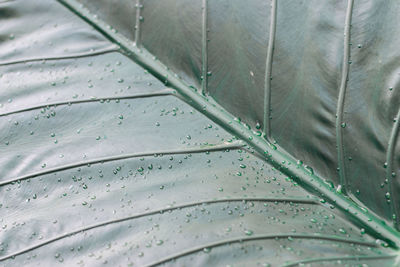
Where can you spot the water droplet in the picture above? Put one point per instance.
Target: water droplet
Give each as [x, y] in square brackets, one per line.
[339, 189]
[309, 169]
[248, 232]
[206, 250]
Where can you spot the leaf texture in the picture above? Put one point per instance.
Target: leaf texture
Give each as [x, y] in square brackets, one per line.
[106, 162]
[313, 59]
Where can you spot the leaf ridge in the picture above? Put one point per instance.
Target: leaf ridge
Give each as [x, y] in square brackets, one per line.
[259, 237]
[218, 147]
[341, 99]
[165, 92]
[389, 170]
[268, 72]
[112, 49]
[187, 205]
[313, 260]
[204, 49]
[137, 23]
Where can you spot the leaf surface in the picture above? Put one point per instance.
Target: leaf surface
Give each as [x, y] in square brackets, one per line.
[101, 162]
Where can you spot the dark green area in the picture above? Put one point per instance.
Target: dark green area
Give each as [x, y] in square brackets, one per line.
[105, 160]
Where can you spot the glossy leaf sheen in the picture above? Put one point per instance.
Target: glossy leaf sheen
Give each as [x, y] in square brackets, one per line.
[101, 163]
[180, 20]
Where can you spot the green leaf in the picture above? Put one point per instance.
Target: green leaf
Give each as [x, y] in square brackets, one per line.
[110, 157]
